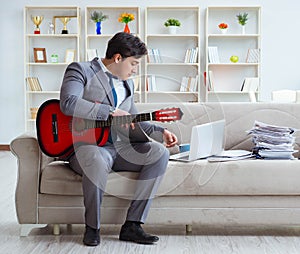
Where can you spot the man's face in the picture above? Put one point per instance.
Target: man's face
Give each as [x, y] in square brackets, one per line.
[127, 67]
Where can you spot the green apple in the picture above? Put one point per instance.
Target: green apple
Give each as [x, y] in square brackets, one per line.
[234, 59]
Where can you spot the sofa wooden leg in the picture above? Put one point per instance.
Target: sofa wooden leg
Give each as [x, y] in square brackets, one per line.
[188, 228]
[69, 227]
[26, 228]
[56, 229]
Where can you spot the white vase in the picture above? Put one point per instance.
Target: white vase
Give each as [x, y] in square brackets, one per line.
[224, 31]
[172, 29]
[243, 29]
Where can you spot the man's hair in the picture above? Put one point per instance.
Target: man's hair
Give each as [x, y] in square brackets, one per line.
[126, 45]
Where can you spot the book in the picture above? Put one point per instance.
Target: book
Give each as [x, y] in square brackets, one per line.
[136, 82]
[250, 84]
[91, 54]
[151, 83]
[213, 55]
[194, 83]
[189, 84]
[253, 56]
[191, 55]
[33, 84]
[210, 81]
[154, 56]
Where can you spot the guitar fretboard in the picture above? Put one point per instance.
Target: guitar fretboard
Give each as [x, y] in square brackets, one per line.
[119, 120]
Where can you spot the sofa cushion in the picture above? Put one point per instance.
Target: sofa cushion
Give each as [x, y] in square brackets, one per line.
[59, 179]
[245, 177]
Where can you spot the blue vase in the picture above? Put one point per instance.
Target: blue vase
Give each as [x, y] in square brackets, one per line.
[98, 27]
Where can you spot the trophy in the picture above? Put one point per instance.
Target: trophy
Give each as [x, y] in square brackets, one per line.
[37, 20]
[65, 21]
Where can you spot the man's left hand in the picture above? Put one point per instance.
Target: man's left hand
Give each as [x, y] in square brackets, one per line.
[169, 138]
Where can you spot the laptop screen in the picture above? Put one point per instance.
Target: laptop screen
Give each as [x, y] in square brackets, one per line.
[207, 139]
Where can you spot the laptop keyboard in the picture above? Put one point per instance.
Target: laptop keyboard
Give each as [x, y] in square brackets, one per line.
[184, 155]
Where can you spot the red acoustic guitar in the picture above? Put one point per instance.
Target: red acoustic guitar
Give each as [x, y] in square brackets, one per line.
[57, 132]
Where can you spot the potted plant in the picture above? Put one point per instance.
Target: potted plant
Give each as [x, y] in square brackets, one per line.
[126, 18]
[98, 17]
[223, 27]
[242, 20]
[172, 25]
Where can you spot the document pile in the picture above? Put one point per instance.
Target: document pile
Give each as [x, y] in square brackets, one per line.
[231, 155]
[273, 142]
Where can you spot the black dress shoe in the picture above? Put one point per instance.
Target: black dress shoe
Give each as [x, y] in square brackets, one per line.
[91, 236]
[133, 232]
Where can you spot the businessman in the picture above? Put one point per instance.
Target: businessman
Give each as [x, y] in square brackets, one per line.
[100, 89]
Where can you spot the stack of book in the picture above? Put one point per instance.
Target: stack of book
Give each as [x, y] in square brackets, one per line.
[189, 84]
[253, 56]
[151, 83]
[273, 142]
[154, 56]
[33, 84]
[213, 55]
[191, 55]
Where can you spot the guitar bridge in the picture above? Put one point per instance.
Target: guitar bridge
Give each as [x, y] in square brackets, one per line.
[54, 128]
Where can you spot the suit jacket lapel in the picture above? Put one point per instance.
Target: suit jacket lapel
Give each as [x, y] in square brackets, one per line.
[129, 92]
[102, 77]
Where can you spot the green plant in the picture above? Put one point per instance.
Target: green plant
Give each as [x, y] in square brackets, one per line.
[242, 18]
[172, 22]
[98, 16]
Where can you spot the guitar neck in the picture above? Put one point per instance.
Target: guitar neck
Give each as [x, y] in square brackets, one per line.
[119, 120]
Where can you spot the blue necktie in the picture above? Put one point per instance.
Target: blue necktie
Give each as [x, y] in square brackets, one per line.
[113, 90]
[114, 93]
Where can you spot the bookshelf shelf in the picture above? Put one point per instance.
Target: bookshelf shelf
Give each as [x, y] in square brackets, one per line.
[97, 42]
[223, 78]
[55, 43]
[233, 64]
[170, 66]
[43, 92]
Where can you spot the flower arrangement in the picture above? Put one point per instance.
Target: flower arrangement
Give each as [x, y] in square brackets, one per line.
[172, 22]
[242, 18]
[98, 16]
[125, 17]
[223, 26]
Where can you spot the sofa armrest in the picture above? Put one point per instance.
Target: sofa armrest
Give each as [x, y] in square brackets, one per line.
[27, 151]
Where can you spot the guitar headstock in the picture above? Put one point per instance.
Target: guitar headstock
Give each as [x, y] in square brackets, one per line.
[167, 115]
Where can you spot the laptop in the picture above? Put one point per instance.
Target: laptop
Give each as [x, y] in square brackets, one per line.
[206, 140]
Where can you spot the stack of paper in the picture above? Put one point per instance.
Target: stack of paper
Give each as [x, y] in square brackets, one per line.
[273, 142]
[231, 155]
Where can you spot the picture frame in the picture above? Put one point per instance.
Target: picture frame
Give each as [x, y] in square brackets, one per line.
[70, 55]
[40, 55]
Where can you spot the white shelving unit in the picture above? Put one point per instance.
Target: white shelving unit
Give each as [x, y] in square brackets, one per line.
[110, 27]
[228, 77]
[170, 68]
[168, 71]
[49, 74]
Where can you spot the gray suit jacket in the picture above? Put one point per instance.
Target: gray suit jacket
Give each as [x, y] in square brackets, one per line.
[86, 93]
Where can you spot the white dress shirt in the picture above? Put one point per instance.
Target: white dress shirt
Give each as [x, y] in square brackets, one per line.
[118, 85]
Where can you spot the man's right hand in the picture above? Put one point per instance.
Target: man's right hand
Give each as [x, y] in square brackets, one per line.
[120, 112]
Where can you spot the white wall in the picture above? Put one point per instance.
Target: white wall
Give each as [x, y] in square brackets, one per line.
[280, 53]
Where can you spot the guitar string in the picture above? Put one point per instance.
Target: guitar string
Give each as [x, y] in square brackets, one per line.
[119, 120]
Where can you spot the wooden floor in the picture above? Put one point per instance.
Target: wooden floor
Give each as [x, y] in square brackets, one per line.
[173, 240]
